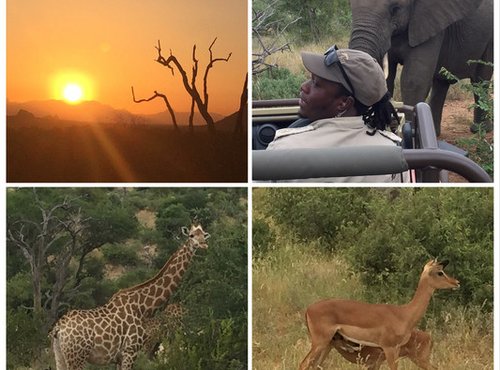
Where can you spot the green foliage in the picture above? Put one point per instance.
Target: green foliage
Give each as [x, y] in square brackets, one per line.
[277, 83]
[482, 89]
[263, 236]
[19, 290]
[25, 339]
[316, 214]
[479, 147]
[120, 254]
[308, 20]
[480, 150]
[388, 234]
[214, 347]
[317, 17]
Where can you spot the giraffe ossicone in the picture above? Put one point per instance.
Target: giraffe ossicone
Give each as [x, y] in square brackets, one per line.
[116, 332]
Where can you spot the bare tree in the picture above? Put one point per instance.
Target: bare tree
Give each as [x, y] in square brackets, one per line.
[261, 24]
[60, 227]
[158, 95]
[242, 112]
[200, 100]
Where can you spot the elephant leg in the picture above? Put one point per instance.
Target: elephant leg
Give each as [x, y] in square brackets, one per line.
[482, 74]
[436, 102]
[391, 77]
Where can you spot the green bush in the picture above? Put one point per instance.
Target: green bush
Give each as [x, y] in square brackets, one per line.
[277, 83]
[480, 150]
[25, 338]
[263, 237]
[387, 235]
[120, 254]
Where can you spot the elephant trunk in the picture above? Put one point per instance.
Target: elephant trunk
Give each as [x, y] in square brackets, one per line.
[371, 35]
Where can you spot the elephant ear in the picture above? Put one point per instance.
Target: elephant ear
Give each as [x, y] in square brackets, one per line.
[429, 17]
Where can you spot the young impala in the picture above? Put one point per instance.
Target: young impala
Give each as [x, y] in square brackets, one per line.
[374, 325]
[417, 349]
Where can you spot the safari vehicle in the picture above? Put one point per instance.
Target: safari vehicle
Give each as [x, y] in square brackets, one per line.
[428, 159]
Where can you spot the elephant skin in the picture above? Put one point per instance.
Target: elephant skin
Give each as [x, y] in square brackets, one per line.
[423, 36]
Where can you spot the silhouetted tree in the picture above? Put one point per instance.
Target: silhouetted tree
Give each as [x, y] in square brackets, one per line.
[197, 98]
[158, 95]
[242, 112]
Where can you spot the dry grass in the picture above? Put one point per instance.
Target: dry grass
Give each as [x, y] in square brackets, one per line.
[292, 60]
[295, 275]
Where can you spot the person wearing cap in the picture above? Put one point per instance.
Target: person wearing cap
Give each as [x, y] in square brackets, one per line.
[344, 103]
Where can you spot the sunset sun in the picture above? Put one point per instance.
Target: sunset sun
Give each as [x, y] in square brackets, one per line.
[72, 86]
[72, 93]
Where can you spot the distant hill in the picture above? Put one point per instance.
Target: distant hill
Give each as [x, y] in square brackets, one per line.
[181, 117]
[93, 111]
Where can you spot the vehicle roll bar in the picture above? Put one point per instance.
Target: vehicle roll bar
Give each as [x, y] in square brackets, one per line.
[276, 165]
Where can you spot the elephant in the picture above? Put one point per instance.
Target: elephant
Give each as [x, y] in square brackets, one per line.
[423, 36]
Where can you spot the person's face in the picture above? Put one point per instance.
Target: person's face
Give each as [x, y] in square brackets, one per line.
[319, 98]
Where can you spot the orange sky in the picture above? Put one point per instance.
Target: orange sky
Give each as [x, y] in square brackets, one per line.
[108, 45]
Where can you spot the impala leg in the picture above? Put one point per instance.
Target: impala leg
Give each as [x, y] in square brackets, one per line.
[324, 354]
[312, 360]
[391, 355]
[420, 351]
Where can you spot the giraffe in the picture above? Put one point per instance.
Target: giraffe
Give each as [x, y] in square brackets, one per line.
[115, 333]
[161, 326]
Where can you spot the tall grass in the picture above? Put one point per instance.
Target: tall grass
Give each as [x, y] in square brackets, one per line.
[295, 274]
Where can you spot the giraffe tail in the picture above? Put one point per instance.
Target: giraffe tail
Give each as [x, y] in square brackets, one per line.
[56, 348]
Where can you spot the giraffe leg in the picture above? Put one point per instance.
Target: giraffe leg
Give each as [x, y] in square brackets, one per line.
[60, 360]
[127, 361]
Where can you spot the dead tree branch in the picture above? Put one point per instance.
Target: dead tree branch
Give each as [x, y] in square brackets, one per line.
[190, 86]
[261, 24]
[158, 95]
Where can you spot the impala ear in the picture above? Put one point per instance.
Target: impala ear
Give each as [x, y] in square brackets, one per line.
[444, 263]
[185, 231]
[429, 17]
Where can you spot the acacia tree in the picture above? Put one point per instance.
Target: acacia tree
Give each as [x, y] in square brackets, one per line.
[55, 233]
[199, 99]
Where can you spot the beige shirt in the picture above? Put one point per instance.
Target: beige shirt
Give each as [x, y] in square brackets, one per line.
[336, 132]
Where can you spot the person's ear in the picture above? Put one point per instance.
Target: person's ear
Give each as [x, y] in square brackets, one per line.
[346, 103]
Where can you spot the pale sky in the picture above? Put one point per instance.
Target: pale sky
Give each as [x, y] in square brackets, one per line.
[108, 45]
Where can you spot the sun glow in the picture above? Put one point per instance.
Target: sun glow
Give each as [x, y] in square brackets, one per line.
[73, 93]
[72, 87]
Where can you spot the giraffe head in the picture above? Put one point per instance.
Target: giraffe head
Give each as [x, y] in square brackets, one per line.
[196, 237]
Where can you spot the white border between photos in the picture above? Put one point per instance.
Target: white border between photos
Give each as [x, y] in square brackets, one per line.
[249, 185]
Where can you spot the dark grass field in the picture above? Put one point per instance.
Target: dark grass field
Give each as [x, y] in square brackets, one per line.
[49, 150]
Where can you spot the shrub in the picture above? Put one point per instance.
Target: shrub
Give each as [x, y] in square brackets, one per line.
[125, 255]
[277, 83]
[263, 236]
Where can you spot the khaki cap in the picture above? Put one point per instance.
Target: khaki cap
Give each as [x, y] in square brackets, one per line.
[366, 75]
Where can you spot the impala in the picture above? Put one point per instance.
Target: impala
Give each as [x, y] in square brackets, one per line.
[417, 349]
[374, 325]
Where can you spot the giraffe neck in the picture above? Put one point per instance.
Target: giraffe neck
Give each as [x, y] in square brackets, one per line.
[151, 295]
